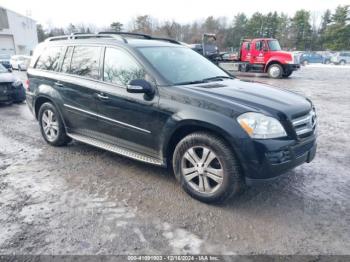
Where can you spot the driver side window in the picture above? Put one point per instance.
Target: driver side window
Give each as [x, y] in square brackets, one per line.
[120, 68]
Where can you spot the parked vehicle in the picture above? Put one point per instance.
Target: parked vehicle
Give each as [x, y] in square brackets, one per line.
[20, 62]
[5, 61]
[261, 55]
[341, 58]
[313, 57]
[11, 88]
[160, 102]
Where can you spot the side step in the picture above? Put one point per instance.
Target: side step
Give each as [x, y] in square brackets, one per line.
[116, 149]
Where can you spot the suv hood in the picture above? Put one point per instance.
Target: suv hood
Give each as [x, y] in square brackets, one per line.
[255, 96]
[7, 78]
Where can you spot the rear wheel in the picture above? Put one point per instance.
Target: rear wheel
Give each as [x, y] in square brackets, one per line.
[51, 125]
[275, 71]
[342, 62]
[207, 168]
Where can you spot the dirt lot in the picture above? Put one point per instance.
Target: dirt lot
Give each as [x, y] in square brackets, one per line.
[82, 200]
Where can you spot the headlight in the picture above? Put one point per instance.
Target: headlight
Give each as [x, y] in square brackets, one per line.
[260, 126]
[17, 83]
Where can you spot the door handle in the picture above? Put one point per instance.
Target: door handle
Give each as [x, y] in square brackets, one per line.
[102, 97]
[58, 84]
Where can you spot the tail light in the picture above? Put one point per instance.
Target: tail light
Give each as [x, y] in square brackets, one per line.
[27, 84]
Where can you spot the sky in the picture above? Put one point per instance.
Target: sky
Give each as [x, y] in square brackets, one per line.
[104, 12]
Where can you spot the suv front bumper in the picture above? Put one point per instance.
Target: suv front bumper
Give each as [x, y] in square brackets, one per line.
[270, 158]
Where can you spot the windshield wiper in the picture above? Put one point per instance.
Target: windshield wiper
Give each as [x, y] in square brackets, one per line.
[205, 80]
[191, 82]
[214, 78]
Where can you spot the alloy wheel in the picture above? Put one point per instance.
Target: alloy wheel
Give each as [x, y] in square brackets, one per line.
[50, 125]
[202, 169]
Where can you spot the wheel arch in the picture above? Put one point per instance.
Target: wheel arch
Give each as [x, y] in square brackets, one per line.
[190, 126]
[40, 100]
[271, 62]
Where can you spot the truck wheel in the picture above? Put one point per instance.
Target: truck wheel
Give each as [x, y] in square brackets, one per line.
[207, 168]
[275, 71]
[51, 125]
[287, 74]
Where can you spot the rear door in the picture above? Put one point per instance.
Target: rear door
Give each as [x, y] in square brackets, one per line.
[79, 78]
[126, 119]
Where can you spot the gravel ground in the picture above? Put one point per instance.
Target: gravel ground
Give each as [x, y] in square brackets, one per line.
[82, 200]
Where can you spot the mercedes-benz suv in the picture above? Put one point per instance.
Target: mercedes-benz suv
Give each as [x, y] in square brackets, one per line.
[157, 101]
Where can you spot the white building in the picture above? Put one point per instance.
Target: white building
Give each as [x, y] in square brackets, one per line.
[18, 33]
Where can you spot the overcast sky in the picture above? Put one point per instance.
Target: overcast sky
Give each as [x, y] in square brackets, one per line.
[103, 12]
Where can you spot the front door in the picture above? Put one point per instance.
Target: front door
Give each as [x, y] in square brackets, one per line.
[128, 120]
[257, 52]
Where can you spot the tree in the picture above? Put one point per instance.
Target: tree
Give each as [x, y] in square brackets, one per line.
[255, 25]
[143, 24]
[237, 32]
[301, 30]
[337, 33]
[117, 26]
[41, 33]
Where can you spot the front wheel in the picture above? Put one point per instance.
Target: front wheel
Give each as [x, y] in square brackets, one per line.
[51, 125]
[207, 168]
[275, 71]
[287, 74]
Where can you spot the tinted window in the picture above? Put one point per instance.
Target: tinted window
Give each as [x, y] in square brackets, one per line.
[67, 59]
[180, 64]
[258, 45]
[120, 68]
[85, 61]
[50, 58]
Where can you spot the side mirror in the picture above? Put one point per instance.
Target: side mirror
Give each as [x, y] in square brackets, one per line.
[140, 86]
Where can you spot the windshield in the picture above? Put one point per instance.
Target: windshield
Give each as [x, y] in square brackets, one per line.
[3, 69]
[274, 45]
[181, 65]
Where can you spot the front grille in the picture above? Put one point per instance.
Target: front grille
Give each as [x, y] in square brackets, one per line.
[305, 125]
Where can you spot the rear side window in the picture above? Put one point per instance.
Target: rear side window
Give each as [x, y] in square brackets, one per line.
[85, 61]
[50, 58]
[120, 68]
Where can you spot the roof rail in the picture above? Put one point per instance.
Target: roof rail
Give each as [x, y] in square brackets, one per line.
[145, 36]
[84, 36]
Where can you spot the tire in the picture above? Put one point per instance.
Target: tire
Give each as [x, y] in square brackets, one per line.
[275, 71]
[305, 63]
[342, 62]
[58, 135]
[287, 74]
[199, 182]
[327, 62]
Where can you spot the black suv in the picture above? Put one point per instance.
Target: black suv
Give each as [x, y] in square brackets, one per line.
[160, 102]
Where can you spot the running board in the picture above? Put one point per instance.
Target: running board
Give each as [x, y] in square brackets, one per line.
[116, 149]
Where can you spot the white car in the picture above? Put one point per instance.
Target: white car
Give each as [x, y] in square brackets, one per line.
[20, 62]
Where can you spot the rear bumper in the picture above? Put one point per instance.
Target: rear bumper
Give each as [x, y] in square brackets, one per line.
[265, 159]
